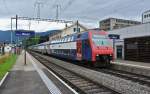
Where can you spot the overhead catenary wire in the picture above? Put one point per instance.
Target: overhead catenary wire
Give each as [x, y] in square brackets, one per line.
[5, 6]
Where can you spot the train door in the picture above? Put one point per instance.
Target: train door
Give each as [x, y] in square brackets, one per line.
[79, 50]
[86, 50]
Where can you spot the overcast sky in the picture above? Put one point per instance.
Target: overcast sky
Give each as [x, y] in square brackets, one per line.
[89, 12]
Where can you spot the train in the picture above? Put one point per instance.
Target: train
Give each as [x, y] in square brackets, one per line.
[94, 47]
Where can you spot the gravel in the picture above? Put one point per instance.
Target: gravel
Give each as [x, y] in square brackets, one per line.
[118, 84]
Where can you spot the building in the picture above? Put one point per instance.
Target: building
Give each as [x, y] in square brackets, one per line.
[5, 48]
[75, 28]
[146, 17]
[142, 30]
[68, 30]
[55, 34]
[115, 23]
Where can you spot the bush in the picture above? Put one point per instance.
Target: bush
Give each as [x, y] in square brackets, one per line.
[4, 58]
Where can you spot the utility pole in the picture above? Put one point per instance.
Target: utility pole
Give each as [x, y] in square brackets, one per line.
[11, 32]
[78, 27]
[38, 5]
[57, 11]
[29, 24]
[16, 22]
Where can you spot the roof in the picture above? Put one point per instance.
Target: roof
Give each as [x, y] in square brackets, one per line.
[53, 32]
[146, 11]
[120, 19]
[74, 25]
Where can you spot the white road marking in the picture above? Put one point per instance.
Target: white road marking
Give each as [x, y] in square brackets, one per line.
[2, 81]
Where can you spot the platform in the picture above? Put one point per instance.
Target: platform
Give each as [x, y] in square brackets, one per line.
[140, 68]
[134, 63]
[25, 79]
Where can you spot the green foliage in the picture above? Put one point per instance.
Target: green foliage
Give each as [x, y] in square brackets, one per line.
[31, 41]
[7, 65]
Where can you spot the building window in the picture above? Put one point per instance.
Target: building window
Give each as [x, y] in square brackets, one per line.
[76, 30]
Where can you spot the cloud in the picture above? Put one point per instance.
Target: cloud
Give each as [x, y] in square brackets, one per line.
[35, 25]
[86, 11]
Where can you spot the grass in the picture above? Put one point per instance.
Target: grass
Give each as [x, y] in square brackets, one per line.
[6, 64]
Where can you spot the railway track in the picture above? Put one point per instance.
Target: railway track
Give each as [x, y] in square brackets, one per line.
[140, 79]
[79, 83]
[143, 80]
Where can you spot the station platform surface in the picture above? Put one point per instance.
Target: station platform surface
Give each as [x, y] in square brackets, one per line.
[142, 64]
[25, 79]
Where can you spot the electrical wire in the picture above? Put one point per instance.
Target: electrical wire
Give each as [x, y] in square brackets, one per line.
[5, 5]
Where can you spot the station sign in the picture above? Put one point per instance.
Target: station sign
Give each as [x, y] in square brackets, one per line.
[24, 33]
[114, 36]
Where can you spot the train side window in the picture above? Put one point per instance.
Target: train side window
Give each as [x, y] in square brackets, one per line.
[72, 38]
[79, 35]
[65, 40]
[69, 39]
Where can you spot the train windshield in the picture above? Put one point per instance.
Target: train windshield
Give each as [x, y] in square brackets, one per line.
[101, 40]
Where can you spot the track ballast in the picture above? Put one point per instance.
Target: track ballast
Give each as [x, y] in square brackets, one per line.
[79, 83]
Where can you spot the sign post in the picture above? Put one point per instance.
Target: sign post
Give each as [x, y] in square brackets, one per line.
[25, 63]
[114, 37]
[25, 33]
